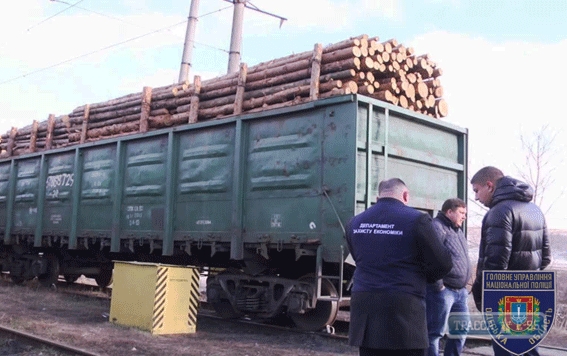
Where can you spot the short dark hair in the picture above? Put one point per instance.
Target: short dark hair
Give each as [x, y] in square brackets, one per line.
[487, 174]
[453, 204]
[391, 184]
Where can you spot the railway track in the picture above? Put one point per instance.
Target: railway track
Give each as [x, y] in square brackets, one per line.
[16, 342]
[338, 332]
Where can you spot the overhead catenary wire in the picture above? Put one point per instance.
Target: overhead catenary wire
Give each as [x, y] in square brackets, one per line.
[122, 20]
[113, 45]
[52, 16]
[90, 53]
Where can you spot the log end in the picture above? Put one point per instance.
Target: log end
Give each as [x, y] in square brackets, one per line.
[442, 107]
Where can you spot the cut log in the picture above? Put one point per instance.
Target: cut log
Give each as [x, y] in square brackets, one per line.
[350, 42]
[159, 112]
[231, 90]
[239, 97]
[215, 84]
[33, 136]
[50, 127]
[385, 95]
[106, 108]
[145, 109]
[412, 78]
[366, 89]
[195, 102]
[85, 124]
[442, 107]
[351, 63]
[269, 73]
[437, 92]
[108, 115]
[117, 101]
[339, 55]
[170, 103]
[169, 120]
[410, 92]
[367, 63]
[351, 87]
[315, 71]
[334, 92]
[421, 90]
[403, 101]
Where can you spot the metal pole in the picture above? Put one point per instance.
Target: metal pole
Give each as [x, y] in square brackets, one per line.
[188, 45]
[236, 36]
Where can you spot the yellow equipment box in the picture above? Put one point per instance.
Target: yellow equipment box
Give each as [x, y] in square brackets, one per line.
[162, 299]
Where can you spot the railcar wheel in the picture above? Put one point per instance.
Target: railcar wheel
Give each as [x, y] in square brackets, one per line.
[71, 278]
[52, 275]
[324, 313]
[104, 278]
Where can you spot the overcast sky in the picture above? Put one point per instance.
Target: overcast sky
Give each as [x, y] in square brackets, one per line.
[503, 61]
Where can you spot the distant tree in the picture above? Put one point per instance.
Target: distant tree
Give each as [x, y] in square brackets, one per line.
[542, 156]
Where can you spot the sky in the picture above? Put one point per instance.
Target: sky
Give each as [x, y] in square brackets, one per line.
[503, 60]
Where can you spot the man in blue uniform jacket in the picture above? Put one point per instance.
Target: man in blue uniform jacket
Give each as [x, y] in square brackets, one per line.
[396, 251]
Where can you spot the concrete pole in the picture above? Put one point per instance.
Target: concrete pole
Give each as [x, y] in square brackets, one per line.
[189, 39]
[236, 36]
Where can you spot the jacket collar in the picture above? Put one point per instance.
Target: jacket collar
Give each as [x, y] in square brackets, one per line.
[446, 221]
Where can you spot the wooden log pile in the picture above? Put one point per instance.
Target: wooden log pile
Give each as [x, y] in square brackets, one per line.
[387, 71]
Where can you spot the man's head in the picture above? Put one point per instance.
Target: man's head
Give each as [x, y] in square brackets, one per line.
[484, 183]
[455, 210]
[393, 188]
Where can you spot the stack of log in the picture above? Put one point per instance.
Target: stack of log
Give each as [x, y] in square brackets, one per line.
[387, 71]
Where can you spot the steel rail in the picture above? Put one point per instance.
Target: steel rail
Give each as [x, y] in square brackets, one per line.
[43, 341]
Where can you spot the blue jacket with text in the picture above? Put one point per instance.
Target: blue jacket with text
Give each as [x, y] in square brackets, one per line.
[395, 248]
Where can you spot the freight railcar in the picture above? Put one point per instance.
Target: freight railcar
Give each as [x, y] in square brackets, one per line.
[261, 197]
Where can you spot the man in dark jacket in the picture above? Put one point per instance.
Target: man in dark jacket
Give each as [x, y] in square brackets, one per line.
[514, 231]
[396, 251]
[449, 295]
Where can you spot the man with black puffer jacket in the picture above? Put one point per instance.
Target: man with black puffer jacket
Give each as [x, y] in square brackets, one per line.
[449, 295]
[513, 234]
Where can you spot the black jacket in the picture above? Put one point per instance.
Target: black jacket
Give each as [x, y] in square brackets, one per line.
[454, 239]
[514, 233]
[396, 251]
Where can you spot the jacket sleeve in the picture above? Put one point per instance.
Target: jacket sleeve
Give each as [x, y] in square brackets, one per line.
[497, 240]
[477, 293]
[437, 261]
[438, 284]
[546, 250]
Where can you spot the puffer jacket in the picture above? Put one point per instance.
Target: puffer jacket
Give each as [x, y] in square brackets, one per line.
[454, 239]
[514, 233]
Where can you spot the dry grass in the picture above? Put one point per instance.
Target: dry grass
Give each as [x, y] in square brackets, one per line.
[83, 322]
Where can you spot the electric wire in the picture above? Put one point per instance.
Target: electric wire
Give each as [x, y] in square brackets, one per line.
[124, 21]
[52, 16]
[90, 53]
[113, 45]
